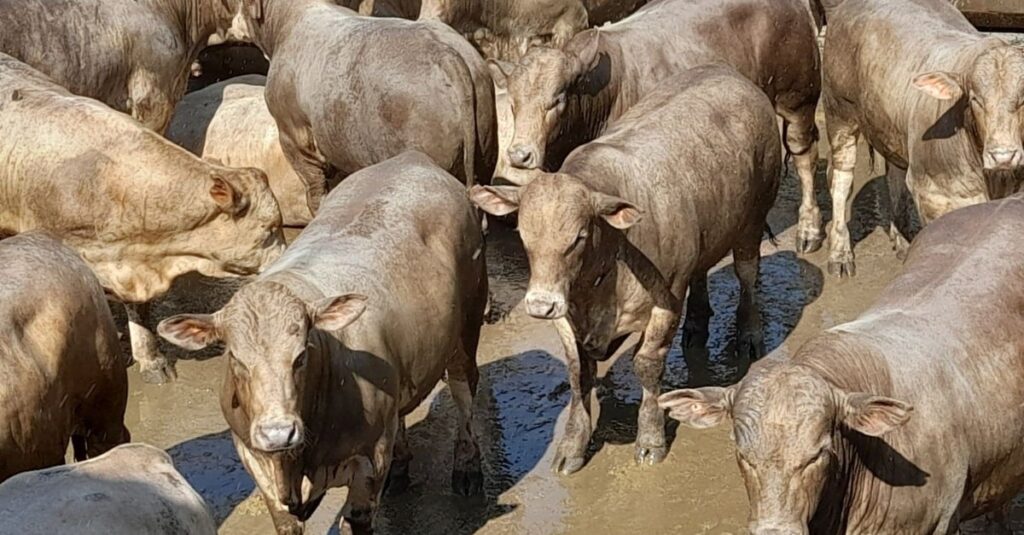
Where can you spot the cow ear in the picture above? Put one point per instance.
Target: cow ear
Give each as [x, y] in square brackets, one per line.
[940, 85]
[500, 71]
[227, 197]
[336, 313]
[874, 415]
[699, 408]
[587, 52]
[496, 200]
[189, 331]
[619, 213]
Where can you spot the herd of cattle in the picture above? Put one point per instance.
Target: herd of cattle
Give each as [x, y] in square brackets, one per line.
[634, 157]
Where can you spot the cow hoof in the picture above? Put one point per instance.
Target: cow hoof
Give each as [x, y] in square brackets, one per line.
[842, 269]
[158, 372]
[567, 466]
[650, 456]
[467, 483]
[806, 244]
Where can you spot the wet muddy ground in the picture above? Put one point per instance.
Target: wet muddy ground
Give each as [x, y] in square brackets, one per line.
[522, 400]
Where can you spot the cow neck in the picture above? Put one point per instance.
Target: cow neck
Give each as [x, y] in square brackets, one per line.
[195, 20]
[591, 102]
[319, 385]
[279, 18]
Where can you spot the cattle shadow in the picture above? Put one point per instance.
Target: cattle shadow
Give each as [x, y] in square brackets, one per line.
[518, 403]
[211, 465]
[221, 62]
[788, 285]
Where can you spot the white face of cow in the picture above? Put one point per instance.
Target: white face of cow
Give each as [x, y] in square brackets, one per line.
[266, 332]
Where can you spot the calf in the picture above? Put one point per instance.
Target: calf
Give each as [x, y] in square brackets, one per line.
[564, 98]
[229, 123]
[340, 108]
[63, 375]
[906, 420]
[132, 489]
[334, 344]
[140, 210]
[134, 56]
[938, 99]
[686, 196]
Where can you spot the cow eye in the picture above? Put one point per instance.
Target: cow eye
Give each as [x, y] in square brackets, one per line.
[818, 457]
[559, 100]
[581, 238]
[300, 361]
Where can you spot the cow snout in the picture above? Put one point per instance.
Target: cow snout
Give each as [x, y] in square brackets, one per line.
[545, 305]
[1003, 159]
[523, 157]
[277, 435]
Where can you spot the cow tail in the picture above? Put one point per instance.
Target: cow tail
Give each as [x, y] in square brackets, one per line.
[460, 71]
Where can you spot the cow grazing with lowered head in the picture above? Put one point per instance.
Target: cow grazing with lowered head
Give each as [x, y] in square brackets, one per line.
[133, 488]
[942, 102]
[905, 420]
[229, 123]
[140, 210]
[133, 55]
[334, 344]
[339, 109]
[62, 376]
[633, 219]
[562, 98]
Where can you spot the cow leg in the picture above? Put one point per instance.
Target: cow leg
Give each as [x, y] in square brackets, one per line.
[154, 367]
[749, 333]
[285, 523]
[801, 140]
[467, 476]
[309, 168]
[572, 449]
[365, 488]
[899, 209]
[398, 475]
[649, 366]
[843, 138]
[148, 101]
[696, 327]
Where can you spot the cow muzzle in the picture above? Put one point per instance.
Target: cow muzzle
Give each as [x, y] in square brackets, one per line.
[546, 305]
[277, 434]
[1003, 158]
[524, 157]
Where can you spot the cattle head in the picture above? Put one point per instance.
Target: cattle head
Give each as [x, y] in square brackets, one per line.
[566, 229]
[994, 88]
[273, 359]
[787, 424]
[244, 234]
[539, 89]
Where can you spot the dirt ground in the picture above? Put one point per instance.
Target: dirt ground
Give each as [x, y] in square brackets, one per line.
[521, 405]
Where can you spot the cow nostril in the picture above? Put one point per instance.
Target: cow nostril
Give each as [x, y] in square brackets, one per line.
[522, 157]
